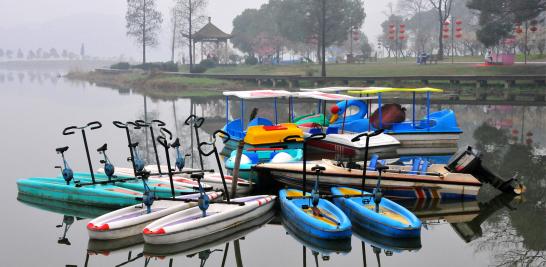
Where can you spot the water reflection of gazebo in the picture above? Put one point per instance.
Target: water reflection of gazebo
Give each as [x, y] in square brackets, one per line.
[210, 34]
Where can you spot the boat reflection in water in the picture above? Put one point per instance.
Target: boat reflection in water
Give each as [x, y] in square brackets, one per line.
[97, 247]
[322, 247]
[466, 217]
[381, 243]
[203, 247]
[71, 212]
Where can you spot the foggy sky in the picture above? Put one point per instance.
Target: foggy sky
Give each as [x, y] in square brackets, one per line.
[100, 24]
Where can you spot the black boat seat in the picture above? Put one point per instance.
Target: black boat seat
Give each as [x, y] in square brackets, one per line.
[318, 168]
[102, 148]
[133, 145]
[176, 143]
[61, 149]
[381, 168]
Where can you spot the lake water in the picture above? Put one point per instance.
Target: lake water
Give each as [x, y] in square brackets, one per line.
[36, 105]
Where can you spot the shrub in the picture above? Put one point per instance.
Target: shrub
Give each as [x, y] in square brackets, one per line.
[121, 66]
[198, 69]
[250, 60]
[208, 63]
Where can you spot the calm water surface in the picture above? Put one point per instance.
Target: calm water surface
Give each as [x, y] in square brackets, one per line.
[36, 106]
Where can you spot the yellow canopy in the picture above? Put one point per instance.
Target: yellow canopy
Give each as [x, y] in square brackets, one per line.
[376, 90]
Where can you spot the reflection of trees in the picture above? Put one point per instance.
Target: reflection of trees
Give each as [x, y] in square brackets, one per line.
[517, 237]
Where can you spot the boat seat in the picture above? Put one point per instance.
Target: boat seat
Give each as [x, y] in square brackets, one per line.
[61, 149]
[373, 162]
[176, 143]
[420, 166]
[332, 130]
[102, 148]
[253, 157]
[315, 131]
[133, 145]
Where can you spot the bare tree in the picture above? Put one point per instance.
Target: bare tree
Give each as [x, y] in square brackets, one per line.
[143, 23]
[443, 7]
[190, 14]
[415, 9]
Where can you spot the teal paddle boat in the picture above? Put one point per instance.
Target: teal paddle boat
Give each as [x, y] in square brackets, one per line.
[253, 156]
[101, 194]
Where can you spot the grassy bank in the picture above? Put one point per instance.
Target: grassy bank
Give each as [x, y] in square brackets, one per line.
[381, 69]
[157, 85]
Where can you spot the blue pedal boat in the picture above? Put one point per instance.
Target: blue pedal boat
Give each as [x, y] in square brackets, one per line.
[237, 129]
[332, 223]
[435, 128]
[392, 220]
[251, 157]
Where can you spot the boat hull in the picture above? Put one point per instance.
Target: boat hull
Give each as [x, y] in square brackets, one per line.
[392, 220]
[188, 225]
[312, 225]
[394, 186]
[131, 220]
[107, 196]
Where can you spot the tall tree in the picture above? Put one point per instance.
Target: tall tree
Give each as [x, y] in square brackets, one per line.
[497, 17]
[9, 53]
[1, 53]
[143, 23]
[330, 21]
[191, 15]
[20, 54]
[414, 10]
[82, 51]
[443, 7]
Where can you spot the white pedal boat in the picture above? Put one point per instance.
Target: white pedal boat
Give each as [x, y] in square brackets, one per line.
[131, 220]
[342, 144]
[190, 225]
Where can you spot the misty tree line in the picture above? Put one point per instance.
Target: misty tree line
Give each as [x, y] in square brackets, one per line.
[311, 27]
[483, 24]
[52, 53]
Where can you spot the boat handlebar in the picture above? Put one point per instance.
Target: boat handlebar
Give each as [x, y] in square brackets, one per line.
[367, 134]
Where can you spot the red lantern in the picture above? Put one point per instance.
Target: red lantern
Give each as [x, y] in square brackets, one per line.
[391, 37]
[402, 25]
[446, 23]
[458, 35]
[402, 31]
[391, 25]
[402, 37]
[519, 30]
[458, 22]
[533, 28]
[391, 31]
[446, 36]
[446, 29]
[458, 29]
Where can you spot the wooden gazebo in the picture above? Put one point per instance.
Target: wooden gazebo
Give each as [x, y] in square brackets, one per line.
[210, 34]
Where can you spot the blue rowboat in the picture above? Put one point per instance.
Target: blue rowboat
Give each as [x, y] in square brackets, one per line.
[108, 196]
[331, 223]
[392, 220]
[251, 157]
[159, 187]
[61, 207]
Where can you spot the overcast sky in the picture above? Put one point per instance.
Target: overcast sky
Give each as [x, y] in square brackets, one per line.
[100, 24]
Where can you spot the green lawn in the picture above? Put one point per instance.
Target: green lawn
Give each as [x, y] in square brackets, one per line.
[381, 69]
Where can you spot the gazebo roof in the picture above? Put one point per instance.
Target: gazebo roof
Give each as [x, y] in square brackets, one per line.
[210, 32]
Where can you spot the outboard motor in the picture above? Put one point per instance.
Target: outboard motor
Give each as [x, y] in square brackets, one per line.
[66, 171]
[466, 161]
[108, 166]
